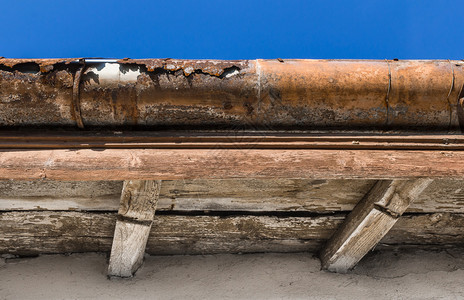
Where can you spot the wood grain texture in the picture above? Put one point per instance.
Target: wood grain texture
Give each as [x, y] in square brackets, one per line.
[139, 199]
[128, 248]
[438, 229]
[30, 233]
[369, 222]
[135, 216]
[143, 164]
[260, 195]
[56, 232]
[442, 195]
[190, 195]
[60, 195]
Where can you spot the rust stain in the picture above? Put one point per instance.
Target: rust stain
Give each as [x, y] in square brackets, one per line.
[188, 67]
[271, 94]
[45, 65]
[460, 108]
[76, 105]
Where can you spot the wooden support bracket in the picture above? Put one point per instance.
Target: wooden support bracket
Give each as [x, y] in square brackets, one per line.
[369, 221]
[135, 217]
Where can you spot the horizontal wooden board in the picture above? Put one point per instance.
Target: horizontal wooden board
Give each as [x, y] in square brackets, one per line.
[60, 195]
[29, 233]
[190, 195]
[263, 195]
[169, 164]
[440, 196]
[427, 229]
[56, 232]
[222, 195]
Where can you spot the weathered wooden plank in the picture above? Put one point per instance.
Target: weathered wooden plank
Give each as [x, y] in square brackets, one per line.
[139, 199]
[128, 248]
[131, 164]
[264, 195]
[439, 229]
[190, 195]
[60, 195]
[53, 232]
[29, 233]
[368, 223]
[135, 217]
[442, 195]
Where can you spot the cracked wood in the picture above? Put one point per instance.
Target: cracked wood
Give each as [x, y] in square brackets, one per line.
[32, 233]
[369, 222]
[250, 195]
[135, 217]
[143, 164]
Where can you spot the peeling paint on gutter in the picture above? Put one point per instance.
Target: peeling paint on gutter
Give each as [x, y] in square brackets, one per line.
[243, 94]
[45, 65]
[215, 68]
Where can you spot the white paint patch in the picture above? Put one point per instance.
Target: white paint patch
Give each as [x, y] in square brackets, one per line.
[235, 72]
[110, 73]
[189, 70]
[129, 75]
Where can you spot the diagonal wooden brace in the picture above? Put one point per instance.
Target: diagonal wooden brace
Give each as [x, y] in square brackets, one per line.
[369, 222]
[135, 217]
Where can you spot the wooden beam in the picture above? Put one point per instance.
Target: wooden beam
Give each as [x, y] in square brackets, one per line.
[265, 195]
[36, 232]
[369, 222]
[135, 217]
[257, 195]
[143, 164]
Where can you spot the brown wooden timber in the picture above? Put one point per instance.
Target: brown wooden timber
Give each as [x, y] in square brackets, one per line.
[135, 217]
[29, 233]
[369, 222]
[143, 164]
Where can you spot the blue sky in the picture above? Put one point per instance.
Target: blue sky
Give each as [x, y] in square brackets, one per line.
[233, 29]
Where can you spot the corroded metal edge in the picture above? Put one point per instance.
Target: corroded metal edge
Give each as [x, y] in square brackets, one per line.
[252, 94]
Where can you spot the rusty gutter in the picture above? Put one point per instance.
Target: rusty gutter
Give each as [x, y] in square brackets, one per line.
[218, 141]
[160, 94]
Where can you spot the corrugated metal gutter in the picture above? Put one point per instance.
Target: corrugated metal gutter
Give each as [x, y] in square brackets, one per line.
[246, 94]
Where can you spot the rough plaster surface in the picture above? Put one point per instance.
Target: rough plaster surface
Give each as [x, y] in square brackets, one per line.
[381, 275]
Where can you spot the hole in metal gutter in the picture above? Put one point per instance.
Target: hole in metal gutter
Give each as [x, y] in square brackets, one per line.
[229, 72]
